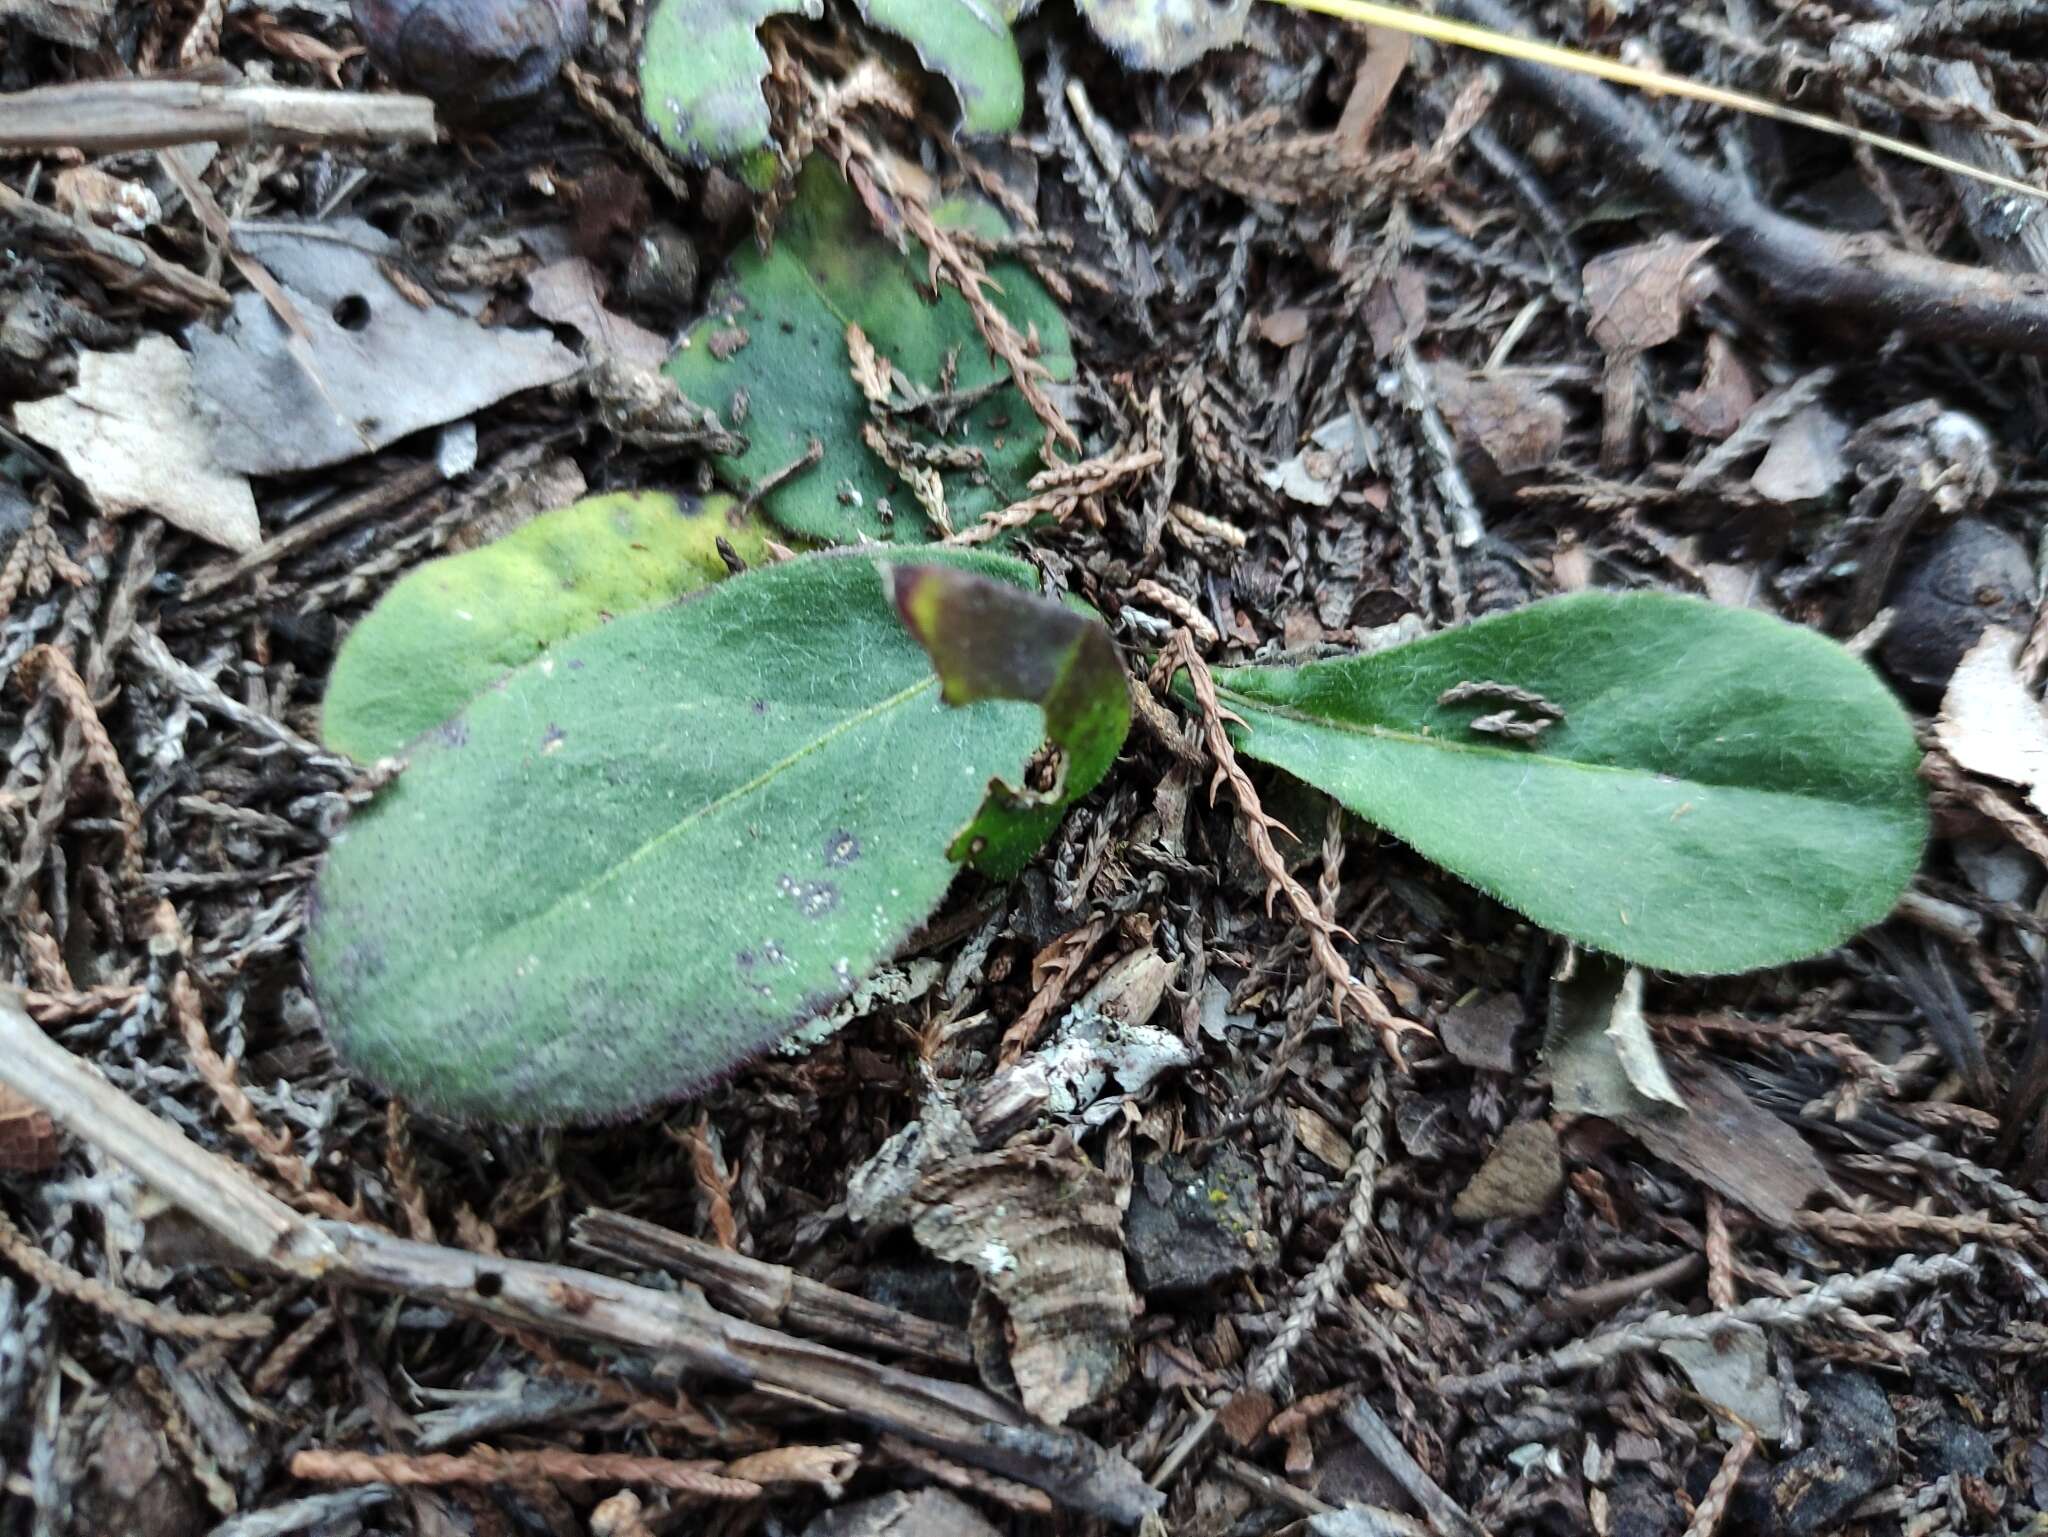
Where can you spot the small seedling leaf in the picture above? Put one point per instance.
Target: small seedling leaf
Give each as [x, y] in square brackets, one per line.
[969, 42]
[701, 68]
[454, 626]
[991, 640]
[1716, 791]
[650, 854]
[776, 338]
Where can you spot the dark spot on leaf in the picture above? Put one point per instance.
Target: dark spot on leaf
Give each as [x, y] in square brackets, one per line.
[552, 738]
[575, 666]
[747, 960]
[760, 707]
[841, 848]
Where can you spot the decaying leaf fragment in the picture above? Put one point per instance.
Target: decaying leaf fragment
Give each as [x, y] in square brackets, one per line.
[1041, 1226]
[991, 640]
[1720, 1136]
[386, 366]
[1165, 35]
[1637, 296]
[130, 429]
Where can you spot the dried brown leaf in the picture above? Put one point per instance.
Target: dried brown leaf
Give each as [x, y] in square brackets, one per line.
[1637, 295]
[1515, 422]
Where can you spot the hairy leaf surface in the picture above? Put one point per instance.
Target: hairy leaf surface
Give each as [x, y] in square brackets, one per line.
[650, 854]
[453, 626]
[1725, 790]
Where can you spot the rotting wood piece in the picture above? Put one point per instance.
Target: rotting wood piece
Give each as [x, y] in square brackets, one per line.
[965, 1423]
[771, 1294]
[104, 117]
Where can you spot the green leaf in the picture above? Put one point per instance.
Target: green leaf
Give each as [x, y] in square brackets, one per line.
[988, 640]
[453, 626]
[776, 336]
[1725, 790]
[969, 42]
[701, 68]
[651, 853]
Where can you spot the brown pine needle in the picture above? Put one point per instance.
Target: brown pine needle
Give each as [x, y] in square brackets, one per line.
[1465, 34]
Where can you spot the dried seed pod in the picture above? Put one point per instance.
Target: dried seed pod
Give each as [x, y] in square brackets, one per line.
[470, 55]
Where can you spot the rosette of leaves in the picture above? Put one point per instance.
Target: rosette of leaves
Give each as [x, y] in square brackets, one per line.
[644, 857]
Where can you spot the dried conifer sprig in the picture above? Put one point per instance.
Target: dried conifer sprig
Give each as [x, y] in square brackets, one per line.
[1057, 492]
[1326, 1281]
[21, 1253]
[959, 267]
[1323, 933]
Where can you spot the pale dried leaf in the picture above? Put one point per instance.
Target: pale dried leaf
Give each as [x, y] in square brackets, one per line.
[1321, 1140]
[1732, 1371]
[1990, 723]
[1165, 35]
[1630, 1033]
[130, 429]
[1283, 327]
[567, 293]
[1637, 296]
[1805, 459]
[1512, 420]
[1723, 1139]
[388, 366]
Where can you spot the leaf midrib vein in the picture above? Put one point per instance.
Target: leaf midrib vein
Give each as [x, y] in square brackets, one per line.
[710, 808]
[1382, 732]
